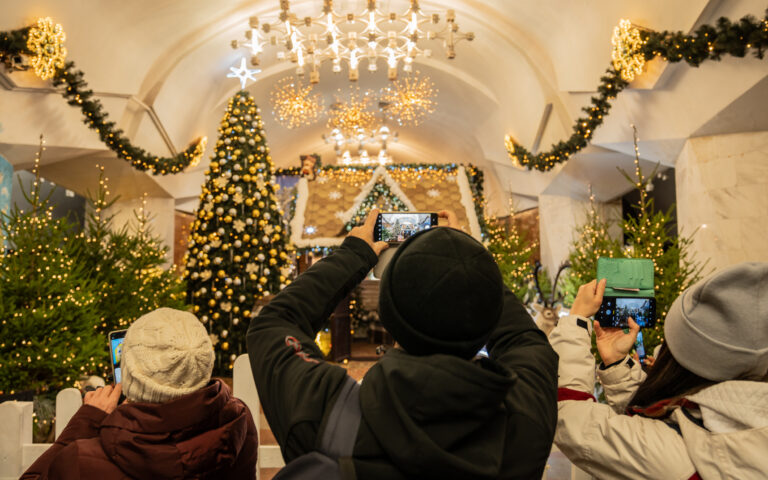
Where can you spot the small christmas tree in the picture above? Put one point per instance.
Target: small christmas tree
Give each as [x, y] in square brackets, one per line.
[648, 236]
[513, 254]
[127, 265]
[593, 241]
[48, 304]
[238, 251]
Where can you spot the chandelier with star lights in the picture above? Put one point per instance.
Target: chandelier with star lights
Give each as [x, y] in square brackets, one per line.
[352, 38]
[353, 150]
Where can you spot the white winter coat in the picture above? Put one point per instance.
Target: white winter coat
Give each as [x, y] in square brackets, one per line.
[607, 444]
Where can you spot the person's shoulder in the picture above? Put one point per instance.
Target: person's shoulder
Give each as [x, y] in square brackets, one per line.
[84, 458]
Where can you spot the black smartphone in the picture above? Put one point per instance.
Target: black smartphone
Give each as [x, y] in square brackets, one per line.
[640, 347]
[116, 338]
[615, 312]
[397, 227]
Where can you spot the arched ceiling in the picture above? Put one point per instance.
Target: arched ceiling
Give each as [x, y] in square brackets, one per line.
[170, 58]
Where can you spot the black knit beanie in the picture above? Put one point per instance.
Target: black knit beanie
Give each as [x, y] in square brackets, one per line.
[441, 293]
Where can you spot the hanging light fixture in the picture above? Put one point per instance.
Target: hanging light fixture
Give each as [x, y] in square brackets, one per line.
[294, 104]
[352, 38]
[352, 112]
[409, 100]
[344, 146]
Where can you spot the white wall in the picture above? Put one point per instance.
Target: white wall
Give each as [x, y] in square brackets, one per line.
[559, 217]
[722, 190]
[160, 212]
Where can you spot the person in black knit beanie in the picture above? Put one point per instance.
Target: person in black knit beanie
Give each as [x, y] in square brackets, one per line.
[430, 408]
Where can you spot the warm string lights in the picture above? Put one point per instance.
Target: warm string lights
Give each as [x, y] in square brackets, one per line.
[352, 111]
[352, 38]
[294, 104]
[380, 197]
[409, 100]
[46, 42]
[707, 42]
[238, 251]
[513, 252]
[626, 54]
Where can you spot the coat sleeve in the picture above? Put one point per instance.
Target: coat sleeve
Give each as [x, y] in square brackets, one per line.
[519, 345]
[594, 436]
[84, 424]
[295, 385]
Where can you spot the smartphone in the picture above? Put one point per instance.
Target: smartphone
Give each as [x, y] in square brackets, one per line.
[640, 348]
[397, 227]
[116, 338]
[615, 312]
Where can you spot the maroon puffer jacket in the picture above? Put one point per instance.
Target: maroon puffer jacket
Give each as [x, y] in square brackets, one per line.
[206, 434]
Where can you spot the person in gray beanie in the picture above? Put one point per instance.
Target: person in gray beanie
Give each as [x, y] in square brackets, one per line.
[429, 408]
[702, 409]
[176, 423]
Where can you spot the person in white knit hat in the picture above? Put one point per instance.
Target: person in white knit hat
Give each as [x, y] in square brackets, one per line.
[177, 422]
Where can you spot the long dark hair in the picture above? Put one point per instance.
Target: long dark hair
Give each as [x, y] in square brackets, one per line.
[667, 379]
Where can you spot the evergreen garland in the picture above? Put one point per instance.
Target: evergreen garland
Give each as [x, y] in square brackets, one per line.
[13, 45]
[706, 43]
[379, 191]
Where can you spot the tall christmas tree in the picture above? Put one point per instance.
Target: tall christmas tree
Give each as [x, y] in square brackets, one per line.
[238, 250]
[48, 304]
[127, 265]
[593, 241]
[648, 236]
[513, 254]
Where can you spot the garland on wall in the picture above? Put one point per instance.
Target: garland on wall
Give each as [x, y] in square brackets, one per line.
[43, 43]
[632, 48]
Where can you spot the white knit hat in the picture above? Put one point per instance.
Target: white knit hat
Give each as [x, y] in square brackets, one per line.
[167, 353]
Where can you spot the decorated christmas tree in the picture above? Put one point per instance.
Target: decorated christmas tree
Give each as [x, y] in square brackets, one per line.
[48, 303]
[128, 260]
[593, 241]
[513, 254]
[238, 247]
[649, 235]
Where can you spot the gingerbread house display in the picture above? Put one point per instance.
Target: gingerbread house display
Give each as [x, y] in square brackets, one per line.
[333, 200]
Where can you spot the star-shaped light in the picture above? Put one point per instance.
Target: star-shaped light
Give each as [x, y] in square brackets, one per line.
[243, 73]
[239, 226]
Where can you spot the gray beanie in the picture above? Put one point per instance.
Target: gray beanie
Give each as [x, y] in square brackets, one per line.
[167, 353]
[718, 328]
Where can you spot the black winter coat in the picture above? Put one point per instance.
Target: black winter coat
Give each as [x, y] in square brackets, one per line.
[436, 416]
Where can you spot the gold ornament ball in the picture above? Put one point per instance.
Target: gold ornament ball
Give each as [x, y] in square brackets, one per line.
[272, 261]
[228, 218]
[197, 308]
[235, 309]
[263, 280]
[236, 111]
[253, 277]
[215, 315]
[254, 213]
[211, 303]
[225, 346]
[221, 274]
[272, 252]
[229, 292]
[237, 258]
[246, 237]
[248, 202]
[247, 177]
[246, 313]
[261, 204]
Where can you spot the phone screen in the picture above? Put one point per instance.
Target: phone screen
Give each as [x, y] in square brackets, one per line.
[639, 347]
[116, 352]
[397, 227]
[615, 311]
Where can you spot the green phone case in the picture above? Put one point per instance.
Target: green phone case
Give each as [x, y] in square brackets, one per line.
[626, 277]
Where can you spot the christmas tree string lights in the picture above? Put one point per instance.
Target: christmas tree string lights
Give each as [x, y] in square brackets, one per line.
[238, 250]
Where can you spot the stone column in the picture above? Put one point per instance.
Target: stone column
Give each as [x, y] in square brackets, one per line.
[722, 195]
[161, 219]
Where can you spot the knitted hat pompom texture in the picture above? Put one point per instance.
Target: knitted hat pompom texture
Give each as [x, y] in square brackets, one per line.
[442, 292]
[167, 353]
[718, 328]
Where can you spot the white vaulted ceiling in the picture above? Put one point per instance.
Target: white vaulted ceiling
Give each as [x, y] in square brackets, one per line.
[171, 57]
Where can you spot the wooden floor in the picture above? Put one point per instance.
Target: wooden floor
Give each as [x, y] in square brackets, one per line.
[363, 355]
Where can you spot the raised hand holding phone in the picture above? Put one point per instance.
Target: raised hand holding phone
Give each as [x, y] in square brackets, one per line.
[613, 344]
[365, 233]
[104, 398]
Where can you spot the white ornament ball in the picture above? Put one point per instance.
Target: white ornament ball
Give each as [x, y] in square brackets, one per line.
[241, 298]
[203, 291]
[239, 189]
[282, 286]
[221, 231]
[195, 275]
[217, 294]
[217, 260]
[265, 239]
[238, 244]
[228, 174]
[207, 248]
[251, 142]
[249, 221]
[223, 161]
[227, 141]
[261, 257]
[219, 211]
[237, 167]
[248, 117]
[232, 357]
[261, 148]
[267, 216]
[224, 334]
[232, 211]
[204, 318]
[224, 197]
[235, 321]
[241, 139]
[209, 197]
[235, 178]
[228, 281]
[238, 281]
[257, 195]
[267, 271]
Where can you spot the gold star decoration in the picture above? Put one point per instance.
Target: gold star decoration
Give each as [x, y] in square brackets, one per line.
[238, 225]
[237, 198]
[251, 268]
